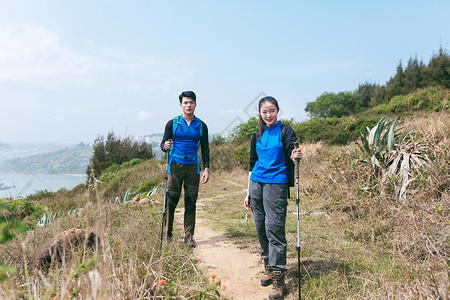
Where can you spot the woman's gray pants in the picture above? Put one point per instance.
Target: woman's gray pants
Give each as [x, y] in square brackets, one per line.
[269, 205]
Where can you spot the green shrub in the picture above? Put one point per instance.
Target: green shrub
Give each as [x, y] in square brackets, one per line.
[146, 185]
[22, 208]
[334, 131]
[429, 99]
[39, 195]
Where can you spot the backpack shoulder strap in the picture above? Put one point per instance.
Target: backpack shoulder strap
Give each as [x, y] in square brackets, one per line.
[283, 136]
[200, 124]
[176, 123]
[289, 163]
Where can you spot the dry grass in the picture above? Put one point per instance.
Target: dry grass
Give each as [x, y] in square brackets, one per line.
[128, 264]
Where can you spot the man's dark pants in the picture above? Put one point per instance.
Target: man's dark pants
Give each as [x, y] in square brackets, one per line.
[183, 175]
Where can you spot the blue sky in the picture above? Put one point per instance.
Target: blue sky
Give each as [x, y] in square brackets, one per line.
[70, 70]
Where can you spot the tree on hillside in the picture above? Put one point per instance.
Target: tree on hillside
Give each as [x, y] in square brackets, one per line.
[395, 84]
[418, 75]
[329, 105]
[116, 150]
[414, 75]
[370, 93]
[438, 71]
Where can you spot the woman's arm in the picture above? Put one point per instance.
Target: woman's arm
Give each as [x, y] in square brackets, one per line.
[247, 200]
[252, 162]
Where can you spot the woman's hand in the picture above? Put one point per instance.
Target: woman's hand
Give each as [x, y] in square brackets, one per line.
[296, 153]
[247, 202]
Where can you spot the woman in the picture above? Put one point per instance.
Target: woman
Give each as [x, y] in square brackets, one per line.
[271, 149]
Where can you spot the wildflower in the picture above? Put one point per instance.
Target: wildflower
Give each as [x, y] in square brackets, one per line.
[213, 275]
[161, 282]
[364, 183]
[224, 287]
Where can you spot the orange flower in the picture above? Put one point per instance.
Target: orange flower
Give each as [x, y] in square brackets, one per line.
[213, 275]
[224, 287]
[161, 282]
[364, 183]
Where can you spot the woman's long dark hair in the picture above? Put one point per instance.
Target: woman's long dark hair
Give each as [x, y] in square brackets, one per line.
[262, 124]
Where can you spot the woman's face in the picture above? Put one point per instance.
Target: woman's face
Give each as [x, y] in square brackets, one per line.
[269, 113]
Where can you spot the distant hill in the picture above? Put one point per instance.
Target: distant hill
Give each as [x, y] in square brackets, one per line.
[72, 160]
[25, 149]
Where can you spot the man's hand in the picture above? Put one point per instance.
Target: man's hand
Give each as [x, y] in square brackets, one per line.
[168, 144]
[205, 176]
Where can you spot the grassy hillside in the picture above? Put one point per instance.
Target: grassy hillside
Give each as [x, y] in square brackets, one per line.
[342, 130]
[358, 239]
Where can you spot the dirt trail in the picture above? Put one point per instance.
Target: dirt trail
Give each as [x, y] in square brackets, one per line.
[238, 270]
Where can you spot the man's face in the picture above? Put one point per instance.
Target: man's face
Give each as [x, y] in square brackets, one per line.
[188, 105]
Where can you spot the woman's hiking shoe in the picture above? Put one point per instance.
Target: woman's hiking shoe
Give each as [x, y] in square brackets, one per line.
[189, 240]
[267, 278]
[279, 287]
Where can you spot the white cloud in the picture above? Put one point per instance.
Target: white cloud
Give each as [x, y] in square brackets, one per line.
[33, 53]
[144, 115]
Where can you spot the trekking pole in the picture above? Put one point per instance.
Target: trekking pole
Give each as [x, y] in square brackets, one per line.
[166, 206]
[297, 201]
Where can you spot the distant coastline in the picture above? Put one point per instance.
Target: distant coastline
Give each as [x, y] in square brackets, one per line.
[27, 184]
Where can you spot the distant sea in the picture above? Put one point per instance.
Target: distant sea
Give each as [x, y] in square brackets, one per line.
[22, 185]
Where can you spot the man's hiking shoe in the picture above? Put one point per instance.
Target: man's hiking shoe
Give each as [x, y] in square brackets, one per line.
[168, 238]
[267, 278]
[279, 287]
[189, 240]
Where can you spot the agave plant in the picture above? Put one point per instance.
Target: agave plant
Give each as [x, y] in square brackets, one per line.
[405, 162]
[155, 190]
[382, 139]
[126, 197]
[46, 219]
[392, 154]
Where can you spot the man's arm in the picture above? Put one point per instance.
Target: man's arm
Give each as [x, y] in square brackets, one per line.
[167, 136]
[204, 143]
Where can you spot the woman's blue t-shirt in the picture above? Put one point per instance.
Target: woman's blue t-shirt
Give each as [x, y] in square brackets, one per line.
[271, 164]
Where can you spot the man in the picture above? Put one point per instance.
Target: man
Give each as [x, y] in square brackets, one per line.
[183, 136]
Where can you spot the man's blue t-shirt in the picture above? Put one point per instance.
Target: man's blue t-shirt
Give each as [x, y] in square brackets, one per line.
[186, 141]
